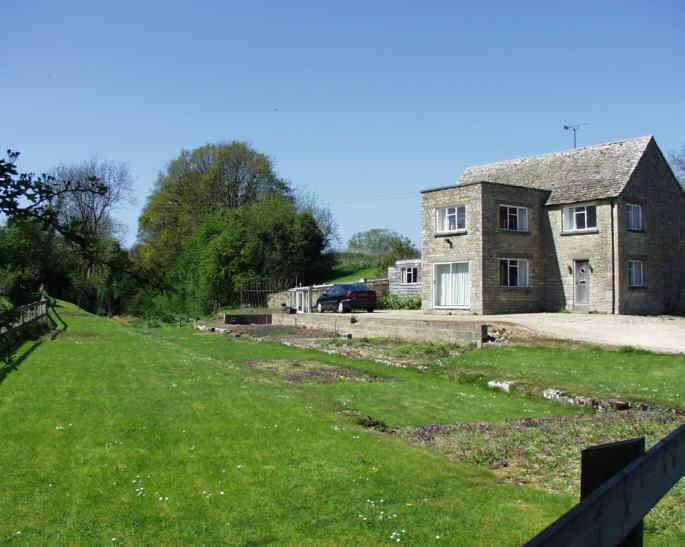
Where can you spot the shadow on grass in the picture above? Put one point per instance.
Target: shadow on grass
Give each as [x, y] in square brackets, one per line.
[14, 364]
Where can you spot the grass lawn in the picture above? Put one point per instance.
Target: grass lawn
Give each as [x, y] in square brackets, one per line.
[113, 435]
[624, 374]
[343, 273]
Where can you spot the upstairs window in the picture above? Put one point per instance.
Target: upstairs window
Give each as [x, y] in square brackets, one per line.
[513, 273]
[513, 219]
[410, 275]
[451, 219]
[583, 217]
[636, 273]
[634, 216]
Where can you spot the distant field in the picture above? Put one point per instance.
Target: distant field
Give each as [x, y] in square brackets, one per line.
[113, 435]
[352, 273]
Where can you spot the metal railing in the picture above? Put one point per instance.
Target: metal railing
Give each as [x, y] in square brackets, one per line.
[27, 314]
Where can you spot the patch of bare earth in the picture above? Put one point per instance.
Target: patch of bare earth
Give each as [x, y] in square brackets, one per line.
[71, 334]
[75, 313]
[541, 451]
[310, 371]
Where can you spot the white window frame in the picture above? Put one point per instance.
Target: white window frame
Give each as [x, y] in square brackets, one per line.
[409, 275]
[571, 215]
[522, 267]
[636, 273]
[520, 214]
[442, 219]
[634, 216]
[466, 306]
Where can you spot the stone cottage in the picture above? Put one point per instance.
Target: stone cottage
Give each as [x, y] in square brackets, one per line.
[600, 228]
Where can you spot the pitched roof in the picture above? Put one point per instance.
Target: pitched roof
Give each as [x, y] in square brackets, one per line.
[581, 174]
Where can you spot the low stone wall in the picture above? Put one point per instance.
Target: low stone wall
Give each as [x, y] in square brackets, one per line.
[359, 325]
[247, 318]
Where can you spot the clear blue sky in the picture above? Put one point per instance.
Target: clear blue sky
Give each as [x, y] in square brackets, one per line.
[362, 103]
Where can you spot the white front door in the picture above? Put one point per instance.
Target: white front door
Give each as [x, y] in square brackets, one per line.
[452, 285]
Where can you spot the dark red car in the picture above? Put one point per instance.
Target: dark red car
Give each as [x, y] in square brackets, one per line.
[345, 297]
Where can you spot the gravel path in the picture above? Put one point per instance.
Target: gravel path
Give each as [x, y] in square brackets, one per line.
[660, 333]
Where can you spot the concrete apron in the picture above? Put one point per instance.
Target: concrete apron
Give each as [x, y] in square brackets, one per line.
[358, 325]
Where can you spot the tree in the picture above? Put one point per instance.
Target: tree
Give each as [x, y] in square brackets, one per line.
[379, 242]
[93, 210]
[678, 163]
[199, 183]
[308, 202]
[24, 196]
[57, 231]
[385, 246]
[268, 242]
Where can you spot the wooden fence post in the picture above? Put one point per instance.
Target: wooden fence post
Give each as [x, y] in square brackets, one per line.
[609, 514]
[600, 463]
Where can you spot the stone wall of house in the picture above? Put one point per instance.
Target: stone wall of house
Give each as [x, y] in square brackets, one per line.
[562, 249]
[502, 244]
[464, 246]
[395, 284]
[661, 243]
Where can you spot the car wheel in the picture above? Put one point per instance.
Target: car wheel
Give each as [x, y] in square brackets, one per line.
[341, 308]
[319, 307]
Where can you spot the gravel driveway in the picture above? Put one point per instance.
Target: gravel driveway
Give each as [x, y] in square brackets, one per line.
[663, 333]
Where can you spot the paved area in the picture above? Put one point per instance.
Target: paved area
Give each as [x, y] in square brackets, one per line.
[660, 333]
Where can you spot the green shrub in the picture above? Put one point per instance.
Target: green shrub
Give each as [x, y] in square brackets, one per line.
[396, 302]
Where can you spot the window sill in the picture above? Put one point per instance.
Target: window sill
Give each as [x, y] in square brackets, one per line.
[409, 284]
[580, 232]
[638, 230]
[637, 287]
[522, 232]
[509, 288]
[453, 233]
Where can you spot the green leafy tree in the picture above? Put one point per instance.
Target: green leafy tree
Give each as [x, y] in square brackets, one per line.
[268, 242]
[384, 246]
[198, 183]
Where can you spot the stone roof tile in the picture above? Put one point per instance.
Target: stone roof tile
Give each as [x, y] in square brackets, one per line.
[581, 174]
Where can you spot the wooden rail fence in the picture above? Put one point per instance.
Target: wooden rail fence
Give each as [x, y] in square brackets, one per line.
[611, 512]
[27, 314]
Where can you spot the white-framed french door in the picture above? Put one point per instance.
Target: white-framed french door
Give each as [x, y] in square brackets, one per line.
[451, 285]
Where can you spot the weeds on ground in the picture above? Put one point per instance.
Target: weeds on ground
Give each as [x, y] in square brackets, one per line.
[545, 452]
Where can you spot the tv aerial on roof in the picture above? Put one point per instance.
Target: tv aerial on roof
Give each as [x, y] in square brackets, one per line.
[574, 128]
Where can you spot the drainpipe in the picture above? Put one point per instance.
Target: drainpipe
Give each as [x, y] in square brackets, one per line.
[613, 261]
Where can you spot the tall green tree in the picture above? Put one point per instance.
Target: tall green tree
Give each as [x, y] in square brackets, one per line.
[199, 183]
[384, 246]
[270, 241]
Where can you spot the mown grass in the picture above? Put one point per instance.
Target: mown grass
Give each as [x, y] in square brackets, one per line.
[624, 374]
[342, 273]
[112, 436]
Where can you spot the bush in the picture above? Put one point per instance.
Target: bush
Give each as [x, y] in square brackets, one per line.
[396, 302]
